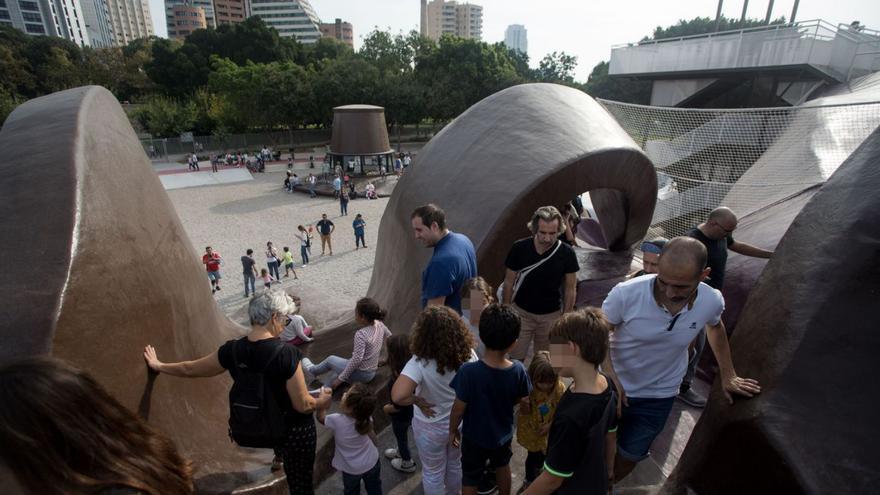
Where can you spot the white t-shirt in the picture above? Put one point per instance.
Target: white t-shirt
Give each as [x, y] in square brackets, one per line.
[650, 360]
[294, 328]
[354, 453]
[432, 386]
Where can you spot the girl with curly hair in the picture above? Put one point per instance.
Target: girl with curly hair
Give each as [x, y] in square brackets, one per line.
[441, 343]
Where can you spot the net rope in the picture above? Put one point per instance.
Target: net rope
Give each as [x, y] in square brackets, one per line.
[745, 159]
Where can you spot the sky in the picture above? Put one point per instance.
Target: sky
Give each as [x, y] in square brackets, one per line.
[584, 28]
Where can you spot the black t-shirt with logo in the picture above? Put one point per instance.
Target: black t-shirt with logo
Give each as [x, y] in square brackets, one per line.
[281, 369]
[541, 290]
[717, 256]
[576, 443]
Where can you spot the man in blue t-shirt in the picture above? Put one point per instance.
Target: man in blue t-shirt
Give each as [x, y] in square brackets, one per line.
[454, 261]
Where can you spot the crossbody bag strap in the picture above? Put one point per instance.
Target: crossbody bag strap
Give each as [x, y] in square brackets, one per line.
[521, 275]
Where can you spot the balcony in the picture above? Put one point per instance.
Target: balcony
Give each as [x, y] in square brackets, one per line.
[836, 53]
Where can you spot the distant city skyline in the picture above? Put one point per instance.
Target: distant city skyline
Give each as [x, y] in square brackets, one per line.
[599, 24]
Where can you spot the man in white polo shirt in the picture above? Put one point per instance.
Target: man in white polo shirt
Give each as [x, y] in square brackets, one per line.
[656, 317]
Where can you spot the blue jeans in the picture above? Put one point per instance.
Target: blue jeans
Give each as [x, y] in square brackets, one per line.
[359, 238]
[351, 483]
[400, 427]
[249, 280]
[312, 190]
[304, 253]
[336, 364]
[273, 269]
[640, 423]
[343, 207]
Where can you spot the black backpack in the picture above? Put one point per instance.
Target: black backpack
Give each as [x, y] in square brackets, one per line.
[255, 419]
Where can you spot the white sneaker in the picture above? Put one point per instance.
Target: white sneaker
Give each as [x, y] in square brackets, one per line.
[391, 454]
[404, 466]
[306, 366]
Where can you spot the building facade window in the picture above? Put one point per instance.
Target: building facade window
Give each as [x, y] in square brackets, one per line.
[29, 6]
[4, 14]
[34, 28]
[31, 17]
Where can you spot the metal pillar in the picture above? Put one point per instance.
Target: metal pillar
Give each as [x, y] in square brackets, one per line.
[794, 11]
[769, 13]
[742, 18]
[718, 15]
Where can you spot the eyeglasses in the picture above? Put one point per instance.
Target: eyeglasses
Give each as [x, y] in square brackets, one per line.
[672, 322]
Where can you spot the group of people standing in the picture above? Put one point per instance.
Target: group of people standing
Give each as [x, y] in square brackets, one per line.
[472, 368]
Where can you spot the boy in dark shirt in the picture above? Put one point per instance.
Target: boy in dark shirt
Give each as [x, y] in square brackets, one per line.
[582, 442]
[485, 394]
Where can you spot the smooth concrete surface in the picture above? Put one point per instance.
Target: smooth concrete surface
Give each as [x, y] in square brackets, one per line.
[205, 178]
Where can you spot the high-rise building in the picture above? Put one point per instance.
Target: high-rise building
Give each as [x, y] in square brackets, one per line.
[63, 18]
[231, 11]
[464, 20]
[96, 14]
[292, 18]
[515, 38]
[339, 30]
[129, 20]
[184, 19]
[171, 18]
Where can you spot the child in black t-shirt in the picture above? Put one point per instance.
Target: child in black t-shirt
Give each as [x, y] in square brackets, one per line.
[581, 446]
[485, 394]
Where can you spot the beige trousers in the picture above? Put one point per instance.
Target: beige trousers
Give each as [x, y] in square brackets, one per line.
[534, 327]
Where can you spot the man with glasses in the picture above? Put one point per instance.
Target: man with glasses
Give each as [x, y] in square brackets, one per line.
[716, 233]
[655, 318]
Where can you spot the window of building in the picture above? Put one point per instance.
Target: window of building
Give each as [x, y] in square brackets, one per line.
[29, 6]
[3, 3]
[4, 14]
[34, 28]
[31, 17]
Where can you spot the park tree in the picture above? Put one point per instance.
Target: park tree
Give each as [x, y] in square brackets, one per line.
[704, 25]
[557, 67]
[162, 116]
[460, 72]
[324, 49]
[601, 85]
[344, 81]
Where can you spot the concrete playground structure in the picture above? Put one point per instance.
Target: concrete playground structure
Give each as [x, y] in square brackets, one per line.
[116, 271]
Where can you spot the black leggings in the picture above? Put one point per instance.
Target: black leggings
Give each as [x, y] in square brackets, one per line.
[298, 453]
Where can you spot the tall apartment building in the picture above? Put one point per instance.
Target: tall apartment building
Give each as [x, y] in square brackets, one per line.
[339, 30]
[63, 18]
[515, 38]
[96, 14]
[129, 20]
[440, 17]
[231, 11]
[292, 18]
[184, 19]
[171, 18]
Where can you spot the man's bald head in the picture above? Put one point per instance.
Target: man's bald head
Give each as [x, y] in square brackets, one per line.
[684, 252]
[722, 214]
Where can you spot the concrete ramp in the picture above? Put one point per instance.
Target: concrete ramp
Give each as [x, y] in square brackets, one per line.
[204, 178]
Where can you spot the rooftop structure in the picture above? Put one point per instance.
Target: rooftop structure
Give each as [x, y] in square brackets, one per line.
[793, 59]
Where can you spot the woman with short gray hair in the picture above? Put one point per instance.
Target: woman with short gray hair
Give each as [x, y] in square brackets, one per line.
[261, 349]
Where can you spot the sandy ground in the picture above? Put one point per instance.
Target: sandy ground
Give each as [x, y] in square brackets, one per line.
[232, 218]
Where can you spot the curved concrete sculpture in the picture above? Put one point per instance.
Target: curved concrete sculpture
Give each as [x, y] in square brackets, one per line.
[97, 265]
[521, 148]
[808, 333]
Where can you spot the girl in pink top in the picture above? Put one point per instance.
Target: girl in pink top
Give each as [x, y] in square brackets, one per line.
[368, 342]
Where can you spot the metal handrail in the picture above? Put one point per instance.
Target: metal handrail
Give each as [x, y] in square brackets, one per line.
[815, 23]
